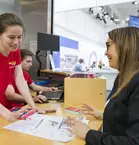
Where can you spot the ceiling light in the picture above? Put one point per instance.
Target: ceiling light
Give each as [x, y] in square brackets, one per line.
[91, 10]
[99, 8]
[112, 19]
[104, 21]
[116, 20]
[104, 12]
[127, 19]
[98, 17]
[135, 2]
[106, 15]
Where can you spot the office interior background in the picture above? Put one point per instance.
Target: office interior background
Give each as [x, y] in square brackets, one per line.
[85, 22]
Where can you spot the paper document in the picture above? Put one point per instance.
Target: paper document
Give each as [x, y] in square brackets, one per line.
[53, 128]
[50, 127]
[27, 125]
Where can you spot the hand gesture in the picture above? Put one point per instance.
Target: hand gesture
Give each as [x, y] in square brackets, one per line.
[77, 127]
[89, 110]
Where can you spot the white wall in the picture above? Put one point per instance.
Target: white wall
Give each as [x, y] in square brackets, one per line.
[110, 2]
[79, 26]
[63, 5]
[82, 24]
[66, 5]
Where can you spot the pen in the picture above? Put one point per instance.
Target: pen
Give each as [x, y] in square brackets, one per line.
[25, 115]
[21, 116]
[38, 124]
[14, 109]
[61, 123]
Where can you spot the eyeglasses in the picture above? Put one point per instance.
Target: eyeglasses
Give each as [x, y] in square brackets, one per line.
[108, 44]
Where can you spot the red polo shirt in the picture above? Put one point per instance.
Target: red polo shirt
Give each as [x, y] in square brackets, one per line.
[7, 66]
[29, 82]
[14, 60]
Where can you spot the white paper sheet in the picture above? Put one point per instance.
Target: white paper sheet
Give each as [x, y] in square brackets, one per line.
[53, 128]
[50, 127]
[25, 126]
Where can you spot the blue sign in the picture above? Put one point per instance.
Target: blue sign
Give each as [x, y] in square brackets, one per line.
[66, 42]
[134, 21]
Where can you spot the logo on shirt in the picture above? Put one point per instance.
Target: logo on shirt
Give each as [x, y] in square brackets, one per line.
[12, 64]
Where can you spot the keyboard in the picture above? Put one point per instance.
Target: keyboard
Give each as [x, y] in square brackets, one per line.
[53, 95]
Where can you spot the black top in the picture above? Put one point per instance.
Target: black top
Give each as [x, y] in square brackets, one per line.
[114, 89]
[120, 119]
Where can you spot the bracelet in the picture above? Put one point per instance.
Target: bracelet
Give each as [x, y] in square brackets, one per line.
[40, 92]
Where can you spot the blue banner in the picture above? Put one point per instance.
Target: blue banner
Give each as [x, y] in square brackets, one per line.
[66, 42]
[134, 21]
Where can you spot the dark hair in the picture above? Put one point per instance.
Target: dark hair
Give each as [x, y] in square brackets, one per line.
[81, 60]
[9, 19]
[127, 46]
[24, 53]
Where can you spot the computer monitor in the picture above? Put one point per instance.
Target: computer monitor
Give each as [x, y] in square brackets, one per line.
[48, 42]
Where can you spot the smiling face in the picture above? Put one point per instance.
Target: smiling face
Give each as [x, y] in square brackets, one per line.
[112, 54]
[11, 38]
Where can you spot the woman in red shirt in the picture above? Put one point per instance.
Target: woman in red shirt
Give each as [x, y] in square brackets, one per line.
[11, 33]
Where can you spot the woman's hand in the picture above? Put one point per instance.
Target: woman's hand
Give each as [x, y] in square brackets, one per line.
[89, 110]
[12, 116]
[77, 127]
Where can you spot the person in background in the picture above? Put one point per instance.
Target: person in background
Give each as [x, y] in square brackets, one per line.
[94, 64]
[121, 113]
[11, 33]
[14, 97]
[79, 66]
[100, 64]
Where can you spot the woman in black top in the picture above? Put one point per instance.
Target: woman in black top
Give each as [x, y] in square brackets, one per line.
[121, 114]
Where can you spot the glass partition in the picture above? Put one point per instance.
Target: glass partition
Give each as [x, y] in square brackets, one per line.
[36, 15]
